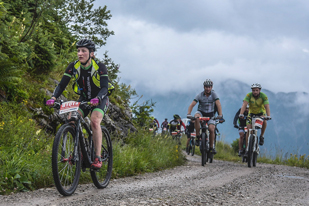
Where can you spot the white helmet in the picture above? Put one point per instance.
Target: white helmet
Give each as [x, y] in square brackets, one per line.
[208, 82]
[256, 85]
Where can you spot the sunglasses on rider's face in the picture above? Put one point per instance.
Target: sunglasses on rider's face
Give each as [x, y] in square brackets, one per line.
[207, 86]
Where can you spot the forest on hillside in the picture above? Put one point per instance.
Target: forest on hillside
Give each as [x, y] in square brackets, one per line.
[37, 42]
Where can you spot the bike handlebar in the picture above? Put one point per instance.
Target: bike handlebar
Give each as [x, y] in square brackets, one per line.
[205, 118]
[58, 103]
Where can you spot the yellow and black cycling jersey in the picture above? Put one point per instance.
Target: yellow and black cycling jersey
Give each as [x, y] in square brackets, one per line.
[173, 125]
[89, 82]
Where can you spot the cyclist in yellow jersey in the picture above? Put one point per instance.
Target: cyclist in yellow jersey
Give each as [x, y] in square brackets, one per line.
[259, 106]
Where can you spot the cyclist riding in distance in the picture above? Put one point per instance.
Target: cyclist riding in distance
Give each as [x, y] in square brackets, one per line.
[175, 124]
[154, 124]
[258, 106]
[207, 100]
[164, 124]
[189, 130]
[181, 124]
[241, 125]
[91, 83]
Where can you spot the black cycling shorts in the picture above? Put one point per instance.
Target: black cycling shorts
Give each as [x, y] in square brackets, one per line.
[102, 107]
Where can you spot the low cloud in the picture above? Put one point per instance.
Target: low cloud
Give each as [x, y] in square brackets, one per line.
[160, 60]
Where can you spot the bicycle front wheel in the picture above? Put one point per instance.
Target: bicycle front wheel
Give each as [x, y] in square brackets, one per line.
[203, 149]
[250, 151]
[255, 156]
[65, 166]
[102, 177]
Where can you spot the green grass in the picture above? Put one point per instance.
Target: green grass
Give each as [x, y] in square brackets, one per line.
[25, 153]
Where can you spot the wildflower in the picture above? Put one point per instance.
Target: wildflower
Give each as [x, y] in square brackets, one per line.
[37, 132]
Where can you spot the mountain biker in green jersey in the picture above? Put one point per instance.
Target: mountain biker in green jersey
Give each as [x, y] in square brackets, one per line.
[91, 83]
[258, 106]
[207, 100]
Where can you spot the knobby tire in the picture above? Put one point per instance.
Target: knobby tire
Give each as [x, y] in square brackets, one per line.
[250, 151]
[255, 155]
[203, 149]
[102, 177]
[66, 172]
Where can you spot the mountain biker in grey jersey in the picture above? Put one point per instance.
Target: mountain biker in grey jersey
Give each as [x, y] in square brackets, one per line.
[207, 101]
[91, 83]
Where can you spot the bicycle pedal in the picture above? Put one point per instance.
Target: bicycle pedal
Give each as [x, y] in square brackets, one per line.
[95, 169]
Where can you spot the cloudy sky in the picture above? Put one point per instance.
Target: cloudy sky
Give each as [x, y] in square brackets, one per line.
[174, 45]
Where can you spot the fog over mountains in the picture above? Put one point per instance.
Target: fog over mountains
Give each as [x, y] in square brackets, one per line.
[286, 133]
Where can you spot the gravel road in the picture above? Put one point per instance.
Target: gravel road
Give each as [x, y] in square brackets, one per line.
[218, 183]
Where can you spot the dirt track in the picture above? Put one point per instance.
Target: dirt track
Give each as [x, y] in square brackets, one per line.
[219, 183]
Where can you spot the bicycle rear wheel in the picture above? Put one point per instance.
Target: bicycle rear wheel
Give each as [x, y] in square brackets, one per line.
[189, 148]
[250, 150]
[102, 177]
[203, 149]
[66, 170]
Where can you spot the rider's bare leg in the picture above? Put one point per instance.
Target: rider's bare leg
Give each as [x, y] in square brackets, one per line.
[197, 124]
[241, 137]
[188, 140]
[96, 118]
[263, 128]
[211, 129]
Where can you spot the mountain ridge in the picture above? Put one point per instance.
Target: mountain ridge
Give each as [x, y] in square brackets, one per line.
[285, 133]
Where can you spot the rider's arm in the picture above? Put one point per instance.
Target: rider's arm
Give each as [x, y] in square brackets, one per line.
[64, 81]
[103, 80]
[236, 117]
[267, 109]
[193, 103]
[183, 124]
[243, 107]
[218, 103]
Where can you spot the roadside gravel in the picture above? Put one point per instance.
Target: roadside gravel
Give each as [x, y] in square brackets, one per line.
[218, 183]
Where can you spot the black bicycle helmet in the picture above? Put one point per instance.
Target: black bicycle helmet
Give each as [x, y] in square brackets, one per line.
[176, 116]
[86, 43]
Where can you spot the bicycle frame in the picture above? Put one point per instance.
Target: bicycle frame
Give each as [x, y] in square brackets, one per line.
[75, 118]
[254, 132]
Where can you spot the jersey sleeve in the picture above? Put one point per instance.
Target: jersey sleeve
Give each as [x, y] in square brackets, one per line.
[197, 98]
[247, 97]
[264, 98]
[103, 80]
[215, 96]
